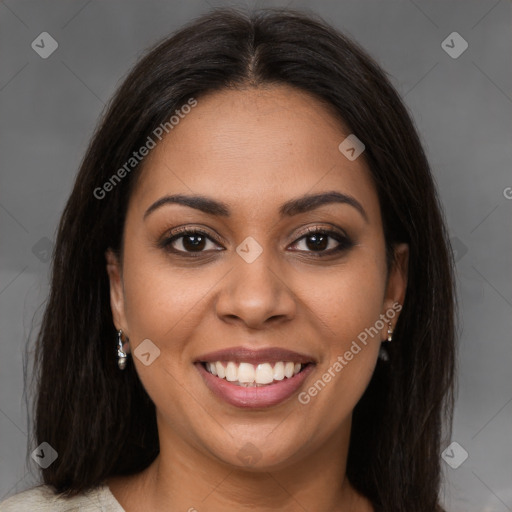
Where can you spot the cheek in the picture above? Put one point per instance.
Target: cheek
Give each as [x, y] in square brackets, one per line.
[160, 298]
[347, 300]
[347, 304]
[164, 304]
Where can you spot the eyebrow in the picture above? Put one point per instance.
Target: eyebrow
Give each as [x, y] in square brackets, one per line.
[296, 206]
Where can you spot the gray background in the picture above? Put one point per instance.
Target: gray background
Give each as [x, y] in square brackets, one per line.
[462, 108]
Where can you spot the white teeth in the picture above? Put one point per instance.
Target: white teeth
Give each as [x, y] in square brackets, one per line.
[231, 372]
[246, 372]
[279, 371]
[288, 369]
[220, 370]
[264, 374]
[247, 375]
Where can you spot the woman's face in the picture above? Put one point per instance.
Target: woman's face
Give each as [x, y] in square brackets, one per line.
[254, 282]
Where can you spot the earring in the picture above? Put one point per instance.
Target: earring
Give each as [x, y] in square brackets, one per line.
[383, 353]
[121, 354]
[390, 332]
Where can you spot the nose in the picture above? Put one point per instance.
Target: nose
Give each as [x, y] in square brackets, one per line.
[256, 294]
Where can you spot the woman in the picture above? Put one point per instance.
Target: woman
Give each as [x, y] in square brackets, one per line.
[252, 300]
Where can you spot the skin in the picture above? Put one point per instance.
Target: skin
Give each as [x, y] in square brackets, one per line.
[253, 149]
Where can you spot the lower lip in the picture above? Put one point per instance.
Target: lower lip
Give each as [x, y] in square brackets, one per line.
[254, 397]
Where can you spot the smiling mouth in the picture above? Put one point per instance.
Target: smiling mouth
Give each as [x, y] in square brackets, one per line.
[253, 375]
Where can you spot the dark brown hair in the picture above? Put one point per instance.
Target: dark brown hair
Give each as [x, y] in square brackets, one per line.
[101, 420]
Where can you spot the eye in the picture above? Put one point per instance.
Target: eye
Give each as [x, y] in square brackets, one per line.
[324, 241]
[188, 240]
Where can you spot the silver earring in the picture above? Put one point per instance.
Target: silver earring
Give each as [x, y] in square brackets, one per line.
[390, 332]
[121, 354]
[383, 353]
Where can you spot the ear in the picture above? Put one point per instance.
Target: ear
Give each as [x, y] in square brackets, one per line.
[397, 285]
[116, 291]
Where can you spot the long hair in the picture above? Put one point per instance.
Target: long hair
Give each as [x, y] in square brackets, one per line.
[101, 420]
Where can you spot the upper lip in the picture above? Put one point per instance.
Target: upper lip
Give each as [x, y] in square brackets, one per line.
[249, 355]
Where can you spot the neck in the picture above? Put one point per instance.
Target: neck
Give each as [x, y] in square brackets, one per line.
[184, 478]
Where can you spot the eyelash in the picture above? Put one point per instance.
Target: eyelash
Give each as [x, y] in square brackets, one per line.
[345, 243]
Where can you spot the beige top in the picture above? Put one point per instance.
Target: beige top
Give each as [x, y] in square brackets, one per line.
[43, 499]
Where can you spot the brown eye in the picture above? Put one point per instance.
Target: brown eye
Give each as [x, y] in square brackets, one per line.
[319, 242]
[324, 242]
[188, 241]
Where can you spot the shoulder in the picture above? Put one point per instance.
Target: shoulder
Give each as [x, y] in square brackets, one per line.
[43, 498]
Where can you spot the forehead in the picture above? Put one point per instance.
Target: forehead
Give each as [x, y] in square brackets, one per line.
[255, 148]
